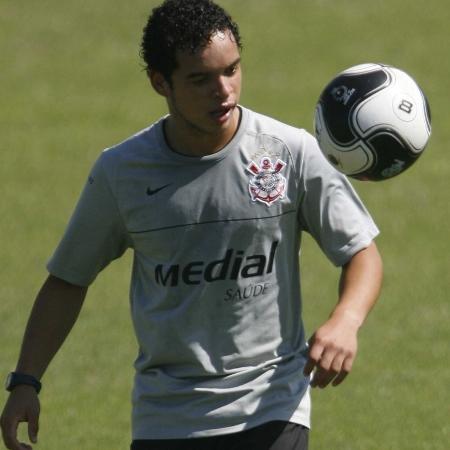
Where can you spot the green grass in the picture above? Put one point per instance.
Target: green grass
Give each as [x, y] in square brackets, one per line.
[71, 84]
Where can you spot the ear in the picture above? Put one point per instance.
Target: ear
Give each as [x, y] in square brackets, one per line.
[159, 83]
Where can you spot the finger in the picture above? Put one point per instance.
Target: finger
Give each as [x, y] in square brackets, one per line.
[33, 428]
[335, 374]
[325, 380]
[9, 434]
[338, 363]
[315, 353]
[346, 368]
[324, 372]
[322, 377]
[316, 378]
[340, 378]
[319, 378]
[339, 369]
[309, 367]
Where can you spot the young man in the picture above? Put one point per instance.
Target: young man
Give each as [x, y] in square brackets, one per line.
[212, 199]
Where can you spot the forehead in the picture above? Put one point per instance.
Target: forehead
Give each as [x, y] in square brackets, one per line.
[221, 52]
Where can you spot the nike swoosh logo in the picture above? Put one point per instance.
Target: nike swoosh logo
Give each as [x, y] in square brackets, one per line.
[155, 191]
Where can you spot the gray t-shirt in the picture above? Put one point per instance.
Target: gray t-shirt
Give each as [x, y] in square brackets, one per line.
[215, 290]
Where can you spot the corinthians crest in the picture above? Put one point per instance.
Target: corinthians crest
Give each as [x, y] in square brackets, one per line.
[267, 184]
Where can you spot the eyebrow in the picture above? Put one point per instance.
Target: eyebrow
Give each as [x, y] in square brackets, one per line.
[201, 74]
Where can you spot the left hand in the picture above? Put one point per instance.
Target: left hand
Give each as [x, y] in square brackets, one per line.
[332, 351]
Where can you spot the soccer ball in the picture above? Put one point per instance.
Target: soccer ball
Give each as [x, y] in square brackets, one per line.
[372, 122]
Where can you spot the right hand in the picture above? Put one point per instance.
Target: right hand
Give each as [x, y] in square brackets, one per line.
[22, 406]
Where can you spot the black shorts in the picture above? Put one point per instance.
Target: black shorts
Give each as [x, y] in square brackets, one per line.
[275, 435]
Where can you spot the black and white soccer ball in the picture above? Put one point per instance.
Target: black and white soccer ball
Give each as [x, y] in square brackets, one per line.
[372, 122]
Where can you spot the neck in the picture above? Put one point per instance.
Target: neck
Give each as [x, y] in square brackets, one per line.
[187, 140]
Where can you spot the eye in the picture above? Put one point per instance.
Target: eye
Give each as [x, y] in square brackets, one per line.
[199, 80]
[232, 70]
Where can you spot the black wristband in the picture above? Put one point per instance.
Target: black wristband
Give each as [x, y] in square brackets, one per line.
[16, 379]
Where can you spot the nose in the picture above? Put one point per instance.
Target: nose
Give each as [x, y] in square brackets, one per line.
[222, 88]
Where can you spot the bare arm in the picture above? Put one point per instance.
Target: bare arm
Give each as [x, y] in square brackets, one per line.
[334, 345]
[54, 313]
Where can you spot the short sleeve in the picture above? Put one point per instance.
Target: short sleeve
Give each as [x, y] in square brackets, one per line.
[330, 209]
[95, 235]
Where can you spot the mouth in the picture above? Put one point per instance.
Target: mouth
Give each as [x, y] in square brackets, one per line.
[223, 113]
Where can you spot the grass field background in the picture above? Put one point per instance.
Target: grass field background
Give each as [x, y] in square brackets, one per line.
[71, 83]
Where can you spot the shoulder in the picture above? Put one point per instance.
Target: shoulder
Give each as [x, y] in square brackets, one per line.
[269, 132]
[141, 145]
[114, 162]
[301, 146]
[261, 123]
[136, 143]
[294, 137]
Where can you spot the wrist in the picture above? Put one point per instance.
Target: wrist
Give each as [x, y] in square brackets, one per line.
[16, 379]
[351, 317]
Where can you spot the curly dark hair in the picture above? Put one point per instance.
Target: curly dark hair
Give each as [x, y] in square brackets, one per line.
[182, 25]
